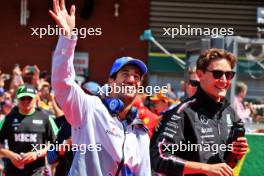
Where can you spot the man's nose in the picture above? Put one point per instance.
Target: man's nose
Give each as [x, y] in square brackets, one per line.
[223, 78]
[131, 78]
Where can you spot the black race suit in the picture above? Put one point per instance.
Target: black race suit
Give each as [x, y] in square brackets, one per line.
[198, 120]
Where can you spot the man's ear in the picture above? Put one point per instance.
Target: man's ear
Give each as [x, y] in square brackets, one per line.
[199, 73]
[110, 81]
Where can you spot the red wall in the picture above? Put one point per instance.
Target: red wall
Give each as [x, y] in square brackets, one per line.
[120, 36]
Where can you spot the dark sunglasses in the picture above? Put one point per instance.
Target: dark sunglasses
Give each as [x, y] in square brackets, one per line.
[25, 98]
[217, 74]
[194, 83]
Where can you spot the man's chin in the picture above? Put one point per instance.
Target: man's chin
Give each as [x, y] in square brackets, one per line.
[222, 94]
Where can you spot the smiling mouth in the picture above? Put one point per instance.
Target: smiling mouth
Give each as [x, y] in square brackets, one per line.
[221, 88]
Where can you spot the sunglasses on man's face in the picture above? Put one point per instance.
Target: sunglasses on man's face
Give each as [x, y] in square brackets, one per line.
[217, 74]
[26, 98]
[194, 83]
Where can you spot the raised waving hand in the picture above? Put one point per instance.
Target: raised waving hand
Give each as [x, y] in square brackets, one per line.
[65, 20]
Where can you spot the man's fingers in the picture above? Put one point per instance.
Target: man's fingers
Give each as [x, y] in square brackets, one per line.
[58, 5]
[72, 11]
[18, 158]
[26, 158]
[228, 170]
[62, 4]
[54, 16]
[240, 144]
[55, 8]
[239, 152]
[242, 139]
[223, 172]
[239, 149]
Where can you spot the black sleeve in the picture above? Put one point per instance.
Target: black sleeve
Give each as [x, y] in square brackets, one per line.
[59, 120]
[52, 130]
[163, 146]
[64, 132]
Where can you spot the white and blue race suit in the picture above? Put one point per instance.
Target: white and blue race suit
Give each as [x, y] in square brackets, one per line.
[107, 141]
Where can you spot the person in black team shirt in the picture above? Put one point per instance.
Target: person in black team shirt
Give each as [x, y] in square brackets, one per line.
[25, 128]
[205, 119]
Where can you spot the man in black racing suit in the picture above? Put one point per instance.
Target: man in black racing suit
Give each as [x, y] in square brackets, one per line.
[192, 138]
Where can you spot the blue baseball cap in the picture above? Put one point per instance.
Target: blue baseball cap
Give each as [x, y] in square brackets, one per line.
[121, 62]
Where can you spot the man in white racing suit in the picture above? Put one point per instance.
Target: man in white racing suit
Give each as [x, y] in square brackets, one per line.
[110, 141]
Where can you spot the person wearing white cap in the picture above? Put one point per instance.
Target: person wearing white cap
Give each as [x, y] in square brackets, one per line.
[117, 141]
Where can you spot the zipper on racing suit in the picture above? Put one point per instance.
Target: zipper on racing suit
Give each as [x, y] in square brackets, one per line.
[123, 153]
[218, 126]
[131, 115]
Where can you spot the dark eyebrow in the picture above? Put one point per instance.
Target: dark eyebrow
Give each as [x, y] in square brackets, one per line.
[124, 70]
